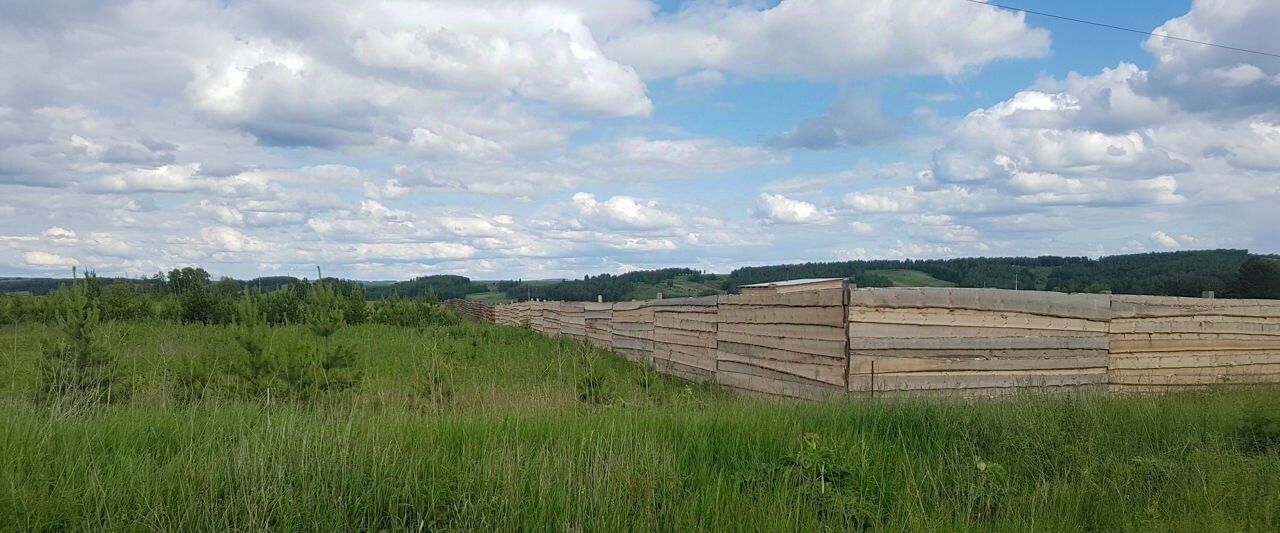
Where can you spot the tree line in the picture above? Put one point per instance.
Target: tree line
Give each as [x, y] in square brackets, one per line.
[1228, 273]
[612, 287]
[189, 295]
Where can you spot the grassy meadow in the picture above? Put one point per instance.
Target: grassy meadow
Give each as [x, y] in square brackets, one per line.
[911, 278]
[472, 427]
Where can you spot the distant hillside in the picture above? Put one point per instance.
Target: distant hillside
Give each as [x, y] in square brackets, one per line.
[1229, 273]
[442, 287]
[40, 286]
[671, 282]
[902, 278]
[1167, 273]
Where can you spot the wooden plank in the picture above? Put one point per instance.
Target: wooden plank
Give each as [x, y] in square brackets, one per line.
[757, 314]
[1199, 324]
[908, 330]
[1129, 306]
[860, 364]
[1174, 342]
[684, 324]
[797, 299]
[1085, 306]
[683, 310]
[785, 331]
[980, 343]
[820, 347]
[704, 363]
[972, 318]
[689, 338]
[961, 353]
[987, 393]
[631, 319]
[755, 378]
[632, 343]
[1207, 378]
[1259, 368]
[692, 301]
[1182, 360]
[978, 379]
[689, 351]
[828, 370]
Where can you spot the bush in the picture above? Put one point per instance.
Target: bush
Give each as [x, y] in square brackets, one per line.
[203, 306]
[283, 368]
[77, 370]
[325, 312]
[412, 313]
[122, 301]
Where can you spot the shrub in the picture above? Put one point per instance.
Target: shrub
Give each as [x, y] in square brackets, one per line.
[411, 313]
[284, 368]
[325, 312]
[122, 301]
[77, 370]
[201, 305]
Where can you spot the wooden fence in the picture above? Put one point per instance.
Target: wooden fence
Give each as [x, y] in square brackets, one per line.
[975, 342]
[1157, 343]
[910, 342]
[684, 337]
[471, 308]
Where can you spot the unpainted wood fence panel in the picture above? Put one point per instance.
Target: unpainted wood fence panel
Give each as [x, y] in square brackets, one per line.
[963, 342]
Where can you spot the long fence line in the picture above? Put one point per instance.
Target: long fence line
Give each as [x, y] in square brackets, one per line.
[928, 341]
[471, 308]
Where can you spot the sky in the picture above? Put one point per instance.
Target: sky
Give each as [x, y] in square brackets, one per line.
[517, 139]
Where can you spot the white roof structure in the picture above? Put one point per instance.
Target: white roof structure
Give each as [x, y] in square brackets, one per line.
[794, 285]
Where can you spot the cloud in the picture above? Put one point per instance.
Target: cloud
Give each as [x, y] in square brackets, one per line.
[168, 178]
[626, 160]
[388, 190]
[45, 259]
[701, 80]
[779, 209]
[405, 138]
[1165, 240]
[229, 239]
[1204, 78]
[59, 235]
[826, 39]
[538, 52]
[851, 121]
[623, 212]
[864, 202]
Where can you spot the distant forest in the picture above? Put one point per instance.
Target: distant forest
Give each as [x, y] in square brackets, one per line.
[427, 287]
[1163, 274]
[1228, 273]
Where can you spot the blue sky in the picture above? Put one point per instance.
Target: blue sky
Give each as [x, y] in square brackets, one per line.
[518, 139]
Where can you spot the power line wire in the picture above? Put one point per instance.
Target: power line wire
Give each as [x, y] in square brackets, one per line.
[1121, 28]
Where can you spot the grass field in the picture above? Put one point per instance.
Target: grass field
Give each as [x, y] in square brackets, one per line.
[912, 278]
[680, 287]
[491, 297]
[479, 428]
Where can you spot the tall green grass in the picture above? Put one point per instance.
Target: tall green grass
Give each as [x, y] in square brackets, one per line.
[478, 428]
